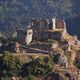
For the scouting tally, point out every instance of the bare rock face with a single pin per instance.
(69, 76)
(57, 76)
(54, 76)
(64, 45)
(56, 58)
(63, 61)
(77, 61)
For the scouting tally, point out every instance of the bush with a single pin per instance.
(12, 63)
(4, 76)
(18, 65)
(31, 77)
(38, 67)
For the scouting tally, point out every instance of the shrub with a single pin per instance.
(38, 67)
(12, 63)
(31, 77)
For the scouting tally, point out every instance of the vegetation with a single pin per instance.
(38, 67)
(28, 70)
(11, 64)
(12, 39)
(77, 62)
(68, 55)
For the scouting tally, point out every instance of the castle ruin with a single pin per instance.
(42, 30)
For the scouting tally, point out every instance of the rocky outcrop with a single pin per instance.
(63, 61)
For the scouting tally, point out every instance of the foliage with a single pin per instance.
(31, 77)
(68, 55)
(12, 39)
(0, 61)
(38, 67)
(15, 64)
(5, 75)
(12, 63)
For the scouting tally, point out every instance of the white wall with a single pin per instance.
(53, 24)
(29, 36)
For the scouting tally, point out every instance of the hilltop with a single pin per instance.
(45, 53)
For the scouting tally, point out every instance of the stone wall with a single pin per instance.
(28, 36)
(24, 36)
(20, 36)
(40, 28)
(55, 35)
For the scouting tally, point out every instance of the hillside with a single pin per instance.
(21, 12)
(42, 60)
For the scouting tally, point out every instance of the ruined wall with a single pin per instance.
(28, 36)
(20, 36)
(55, 35)
(58, 24)
(40, 28)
